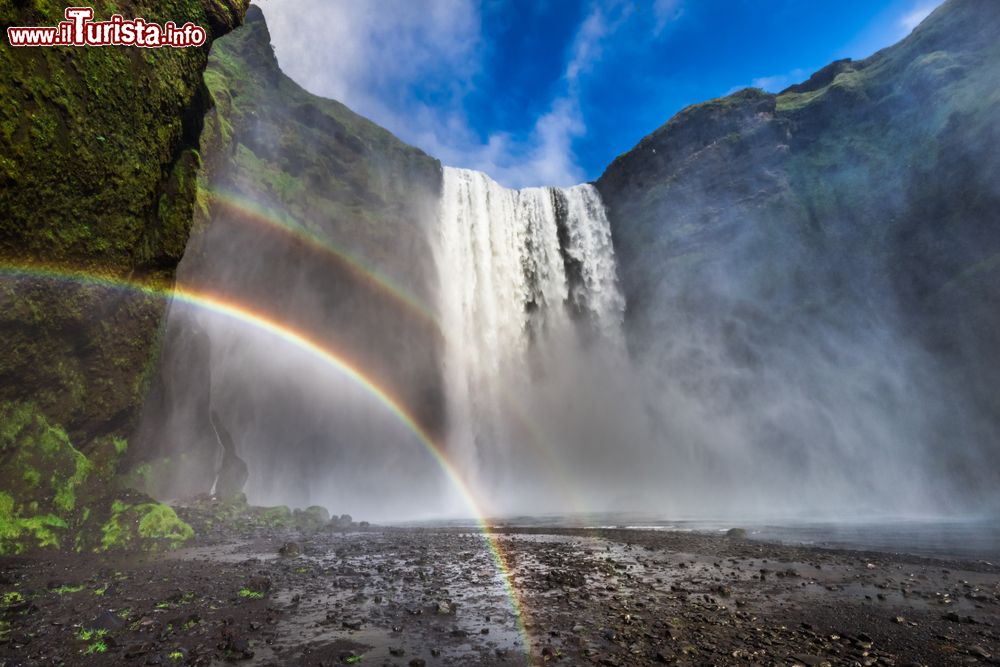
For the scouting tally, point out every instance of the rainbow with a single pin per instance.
(243, 208)
(321, 352)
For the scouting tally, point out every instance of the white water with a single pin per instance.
(532, 319)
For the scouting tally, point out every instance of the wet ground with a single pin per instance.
(435, 596)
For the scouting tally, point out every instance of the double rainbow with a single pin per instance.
(229, 202)
(320, 351)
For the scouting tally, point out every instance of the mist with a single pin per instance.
(747, 317)
(780, 387)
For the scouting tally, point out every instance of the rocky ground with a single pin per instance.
(413, 597)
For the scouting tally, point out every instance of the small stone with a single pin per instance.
(259, 584)
(136, 650)
(106, 621)
(980, 652)
(290, 550)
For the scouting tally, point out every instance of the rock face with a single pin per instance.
(100, 151)
(312, 216)
(233, 472)
(771, 245)
(98, 157)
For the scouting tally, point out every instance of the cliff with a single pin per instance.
(99, 149)
(314, 217)
(846, 223)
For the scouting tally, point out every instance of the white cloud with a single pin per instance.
(665, 11)
(778, 82)
(774, 83)
(386, 59)
(366, 54)
(912, 19)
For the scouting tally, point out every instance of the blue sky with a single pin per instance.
(548, 92)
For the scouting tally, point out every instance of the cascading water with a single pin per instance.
(532, 318)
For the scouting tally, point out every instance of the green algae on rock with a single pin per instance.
(147, 526)
(55, 496)
(40, 478)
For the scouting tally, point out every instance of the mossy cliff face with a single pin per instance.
(861, 203)
(293, 185)
(98, 156)
(98, 161)
(55, 496)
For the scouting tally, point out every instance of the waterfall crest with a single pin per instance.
(529, 303)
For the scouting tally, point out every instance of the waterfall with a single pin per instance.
(528, 296)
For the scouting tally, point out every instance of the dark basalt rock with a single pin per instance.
(233, 472)
(867, 194)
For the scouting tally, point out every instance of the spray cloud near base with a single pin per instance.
(769, 334)
(534, 359)
(729, 392)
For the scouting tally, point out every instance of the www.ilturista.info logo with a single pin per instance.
(79, 29)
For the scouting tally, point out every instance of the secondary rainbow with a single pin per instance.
(229, 201)
(249, 210)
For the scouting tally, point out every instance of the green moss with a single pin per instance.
(17, 534)
(63, 590)
(31, 476)
(311, 518)
(74, 497)
(276, 516)
(114, 533)
(35, 507)
(11, 598)
(65, 498)
(160, 522)
(250, 594)
(149, 525)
